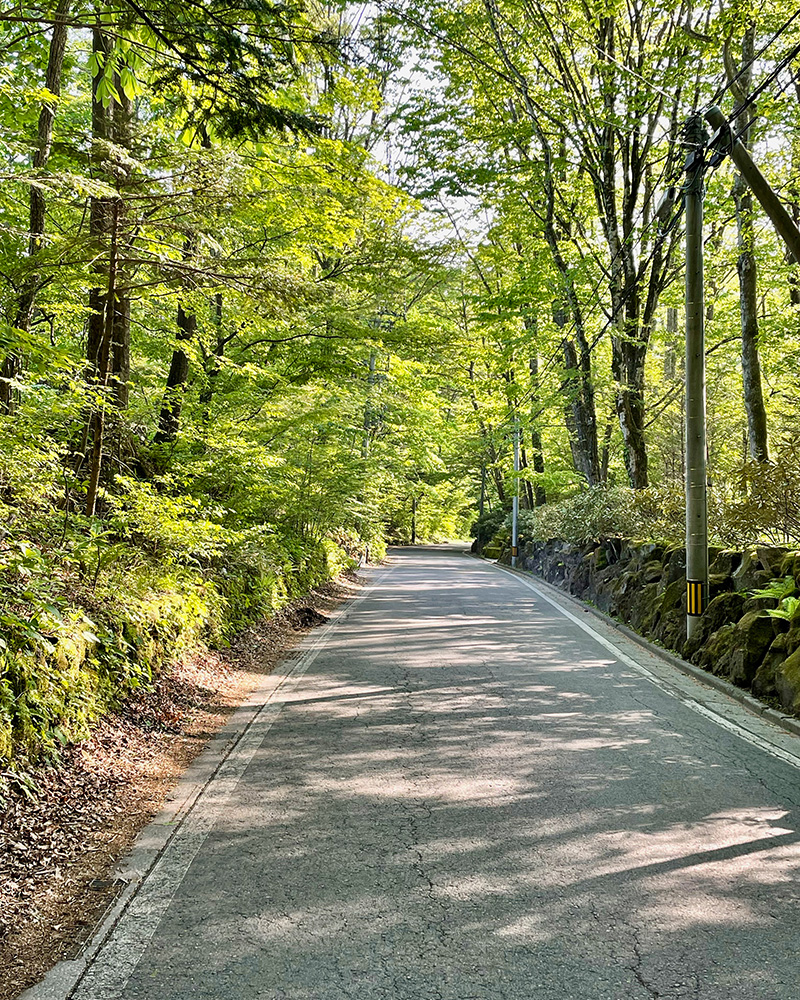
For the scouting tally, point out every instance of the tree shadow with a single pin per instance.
(491, 807)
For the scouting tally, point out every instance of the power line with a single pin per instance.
(735, 137)
(750, 62)
(792, 54)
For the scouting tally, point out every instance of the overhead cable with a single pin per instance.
(781, 31)
(741, 108)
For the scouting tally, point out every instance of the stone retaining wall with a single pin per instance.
(643, 585)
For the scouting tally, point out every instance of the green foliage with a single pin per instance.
(784, 591)
(761, 504)
(488, 524)
(60, 670)
(166, 522)
(655, 513)
(763, 501)
(348, 364)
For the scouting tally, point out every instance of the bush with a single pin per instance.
(77, 638)
(606, 510)
(487, 525)
(762, 504)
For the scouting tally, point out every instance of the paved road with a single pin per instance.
(466, 797)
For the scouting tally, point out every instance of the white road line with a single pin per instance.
(116, 959)
(673, 692)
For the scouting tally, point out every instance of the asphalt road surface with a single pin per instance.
(465, 795)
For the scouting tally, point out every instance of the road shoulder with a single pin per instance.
(728, 706)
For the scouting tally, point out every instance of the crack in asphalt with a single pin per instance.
(636, 968)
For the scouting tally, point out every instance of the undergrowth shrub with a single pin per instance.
(29, 464)
(761, 504)
(167, 522)
(77, 637)
(606, 510)
(488, 524)
(65, 659)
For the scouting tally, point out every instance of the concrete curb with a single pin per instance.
(787, 722)
(153, 841)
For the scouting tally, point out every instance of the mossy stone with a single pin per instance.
(750, 574)
(726, 562)
(790, 565)
(673, 595)
(670, 629)
(675, 562)
(715, 654)
(725, 609)
(643, 608)
(718, 583)
(764, 681)
(771, 558)
(787, 682)
(756, 633)
(653, 571)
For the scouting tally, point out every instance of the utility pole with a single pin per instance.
(481, 506)
(696, 488)
(723, 142)
(515, 507)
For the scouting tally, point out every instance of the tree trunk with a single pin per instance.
(605, 454)
(793, 196)
(212, 359)
(748, 305)
(27, 299)
(748, 281)
(99, 212)
(369, 416)
(670, 355)
(627, 366)
(539, 492)
(97, 417)
(169, 419)
(579, 409)
(491, 451)
(578, 387)
(527, 500)
(170, 416)
(121, 335)
(539, 495)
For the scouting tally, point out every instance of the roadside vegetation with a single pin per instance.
(763, 504)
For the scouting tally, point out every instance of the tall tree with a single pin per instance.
(37, 203)
(740, 78)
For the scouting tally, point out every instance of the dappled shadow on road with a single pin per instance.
(489, 807)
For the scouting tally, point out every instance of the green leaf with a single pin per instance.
(130, 85)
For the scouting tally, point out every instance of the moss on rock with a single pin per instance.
(787, 682)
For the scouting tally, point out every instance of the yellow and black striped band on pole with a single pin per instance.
(514, 551)
(695, 597)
